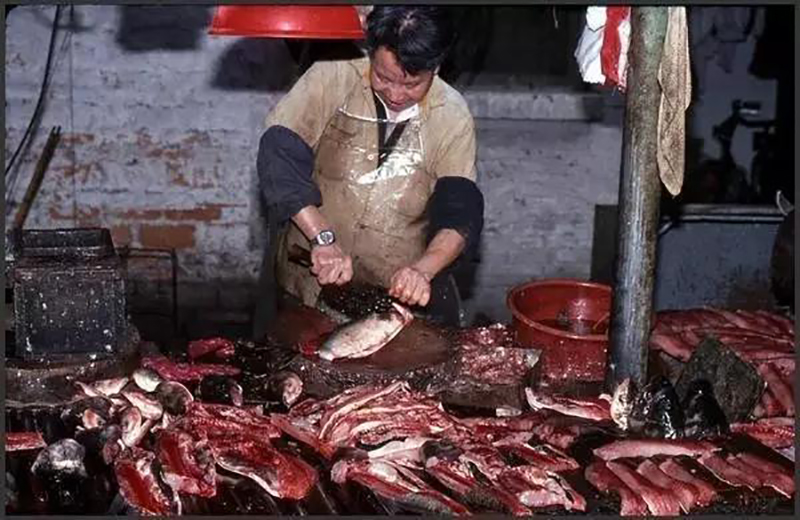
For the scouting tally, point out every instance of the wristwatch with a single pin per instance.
(324, 238)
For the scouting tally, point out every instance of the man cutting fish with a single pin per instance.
(371, 161)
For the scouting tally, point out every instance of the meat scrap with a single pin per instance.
(646, 448)
(397, 484)
(187, 464)
(139, 485)
(20, 441)
(181, 372)
(775, 432)
(491, 355)
(598, 409)
(771, 475)
(221, 348)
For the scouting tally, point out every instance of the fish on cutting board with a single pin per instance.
(366, 336)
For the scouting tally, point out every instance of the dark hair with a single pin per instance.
(419, 36)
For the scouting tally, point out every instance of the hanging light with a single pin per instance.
(288, 21)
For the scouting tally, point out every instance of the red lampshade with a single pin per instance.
(287, 21)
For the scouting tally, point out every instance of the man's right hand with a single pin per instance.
(331, 265)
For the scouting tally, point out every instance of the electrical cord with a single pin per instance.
(36, 111)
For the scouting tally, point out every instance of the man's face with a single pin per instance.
(398, 89)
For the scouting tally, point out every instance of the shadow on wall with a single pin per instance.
(147, 28)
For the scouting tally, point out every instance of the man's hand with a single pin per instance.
(411, 286)
(330, 265)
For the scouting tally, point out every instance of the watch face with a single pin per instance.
(326, 238)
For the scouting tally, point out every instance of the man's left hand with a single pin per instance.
(411, 286)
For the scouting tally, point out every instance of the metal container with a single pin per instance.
(69, 294)
(568, 320)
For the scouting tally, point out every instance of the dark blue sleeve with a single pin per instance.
(457, 203)
(285, 166)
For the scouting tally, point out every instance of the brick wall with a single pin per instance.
(161, 150)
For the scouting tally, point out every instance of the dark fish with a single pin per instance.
(87, 413)
(704, 416)
(174, 397)
(220, 390)
(440, 449)
(64, 456)
(657, 411)
(286, 386)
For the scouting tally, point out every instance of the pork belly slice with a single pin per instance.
(601, 477)
(659, 501)
(647, 448)
(706, 493)
(685, 493)
(729, 473)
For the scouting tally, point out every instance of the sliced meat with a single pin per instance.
(391, 482)
(775, 476)
(139, 485)
(456, 476)
(647, 448)
(187, 464)
(778, 387)
(279, 474)
(598, 409)
(685, 493)
(542, 456)
(706, 493)
(602, 478)
(671, 344)
(20, 441)
(659, 501)
(221, 348)
(182, 372)
(729, 473)
(775, 432)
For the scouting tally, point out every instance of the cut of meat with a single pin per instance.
(20, 441)
(537, 488)
(776, 432)
(392, 483)
(491, 429)
(227, 419)
(139, 485)
(706, 493)
(602, 478)
(280, 475)
(542, 456)
(456, 476)
(774, 475)
(651, 447)
(685, 493)
(187, 464)
(353, 399)
(221, 348)
(181, 372)
(728, 473)
(767, 406)
(659, 501)
(598, 409)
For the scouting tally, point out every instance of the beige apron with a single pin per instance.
(377, 213)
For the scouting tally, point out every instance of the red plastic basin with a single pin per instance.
(568, 320)
(288, 21)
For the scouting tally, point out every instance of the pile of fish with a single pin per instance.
(666, 477)
(395, 440)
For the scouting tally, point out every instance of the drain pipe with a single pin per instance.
(639, 193)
